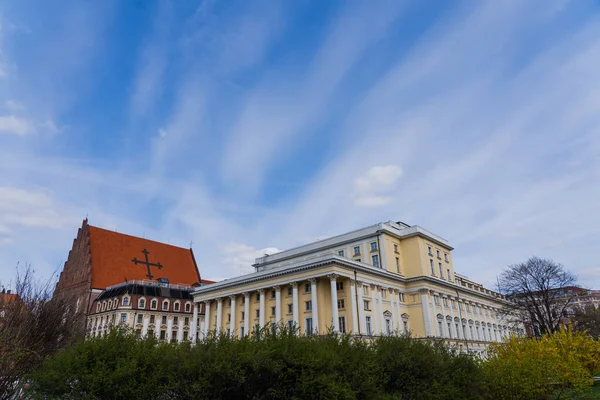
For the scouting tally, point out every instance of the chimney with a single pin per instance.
(8, 291)
(3, 290)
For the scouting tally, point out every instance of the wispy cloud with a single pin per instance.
(15, 125)
(372, 188)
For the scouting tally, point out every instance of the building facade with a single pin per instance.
(149, 308)
(388, 278)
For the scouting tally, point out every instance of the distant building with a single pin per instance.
(7, 301)
(150, 308)
(384, 279)
(102, 258)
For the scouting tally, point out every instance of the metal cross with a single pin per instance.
(147, 263)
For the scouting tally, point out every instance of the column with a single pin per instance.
(452, 326)
(277, 304)
(194, 325)
(375, 313)
(169, 328)
(399, 310)
(207, 328)
(383, 258)
(295, 306)
(444, 322)
(315, 306)
(261, 312)
(353, 305)
(145, 326)
(434, 308)
(381, 319)
(393, 305)
(246, 313)
(334, 299)
(425, 307)
(361, 308)
(233, 312)
(180, 330)
(157, 326)
(219, 327)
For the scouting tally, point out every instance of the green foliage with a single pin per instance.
(284, 366)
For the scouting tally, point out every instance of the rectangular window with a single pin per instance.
(290, 324)
(405, 326)
(438, 254)
(441, 271)
(446, 257)
(368, 324)
(341, 253)
(432, 267)
(290, 289)
(429, 250)
(257, 313)
(375, 259)
(272, 294)
(356, 250)
(340, 304)
(123, 317)
(339, 285)
(164, 320)
(228, 303)
(358, 260)
(384, 293)
(342, 324)
(228, 332)
(140, 318)
(396, 248)
(228, 317)
(373, 246)
(273, 311)
(445, 301)
(365, 290)
(448, 274)
(163, 335)
(152, 319)
(186, 321)
(241, 331)
(175, 320)
(398, 264)
(436, 300)
(366, 305)
(401, 296)
(388, 327)
(150, 332)
(290, 308)
(308, 288)
(257, 296)
(185, 335)
(243, 314)
(308, 326)
(309, 305)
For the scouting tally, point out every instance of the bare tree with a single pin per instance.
(541, 293)
(32, 326)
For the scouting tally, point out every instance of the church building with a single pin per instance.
(101, 259)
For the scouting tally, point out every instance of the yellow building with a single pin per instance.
(388, 278)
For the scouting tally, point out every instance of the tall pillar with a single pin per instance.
(353, 305)
(381, 319)
(334, 300)
(261, 312)
(295, 311)
(157, 322)
(445, 332)
(375, 315)
(425, 307)
(145, 326)
(169, 328)
(219, 327)
(180, 330)
(434, 308)
(277, 304)
(194, 326)
(361, 308)
(452, 327)
(233, 313)
(393, 305)
(315, 306)
(206, 323)
(246, 313)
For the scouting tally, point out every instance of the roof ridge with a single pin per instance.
(138, 237)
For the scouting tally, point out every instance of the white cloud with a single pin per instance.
(50, 126)
(372, 188)
(15, 125)
(13, 105)
(239, 257)
(162, 132)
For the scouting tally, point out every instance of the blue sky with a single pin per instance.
(242, 126)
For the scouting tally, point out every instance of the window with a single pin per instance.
(125, 301)
(449, 330)
(272, 294)
(388, 326)
(366, 305)
(356, 250)
(123, 317)
(173, 336)
(165, 305)
(365, 290)
(339, 285)
(257, 296)
(290, 289)
(373, 246)
(432, 267)
(405, 326)
(228, 332)
(290, 308)
(441, 270)
(308, 288)
(308, 305)
(340, 304)
(375, 260)
(342, 324)
(445, 301)
(358, 260)
(384, 293)
(185, 335)
(140, 318)
(448, 274)
(164, 320)
(142, 303)
(153, 304)
(188, 307)
(446, 257)
(290, 324)
(186, 321)
(138, 333)
(243, 315)
(436, 300)
(163, 335)
(152, 319)
(308, 326)
(150, 332)
(396, 248)
(438, 254)
(257, 313)
(397, 264)
(368, 324)
(241, 331)
(429, 250)
(401, 296)
(273, 310)
(175, 320)
(176, 306)
(341, 253)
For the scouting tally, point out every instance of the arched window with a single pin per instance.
(154, 304)
(142, 303)
(125, 301)
(405, 327)
(176, 306)
(110, 304)
(440, 325)
(98, 307)
(165, 305)
(449, 326)
(188, 307)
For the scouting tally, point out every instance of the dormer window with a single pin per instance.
(153, 304)
(142, 303)
(176, 306)
(125, 301)
(165, 305)
(187, 307)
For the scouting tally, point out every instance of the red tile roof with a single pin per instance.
(113, 256)
(206, 282)
(9, 297)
